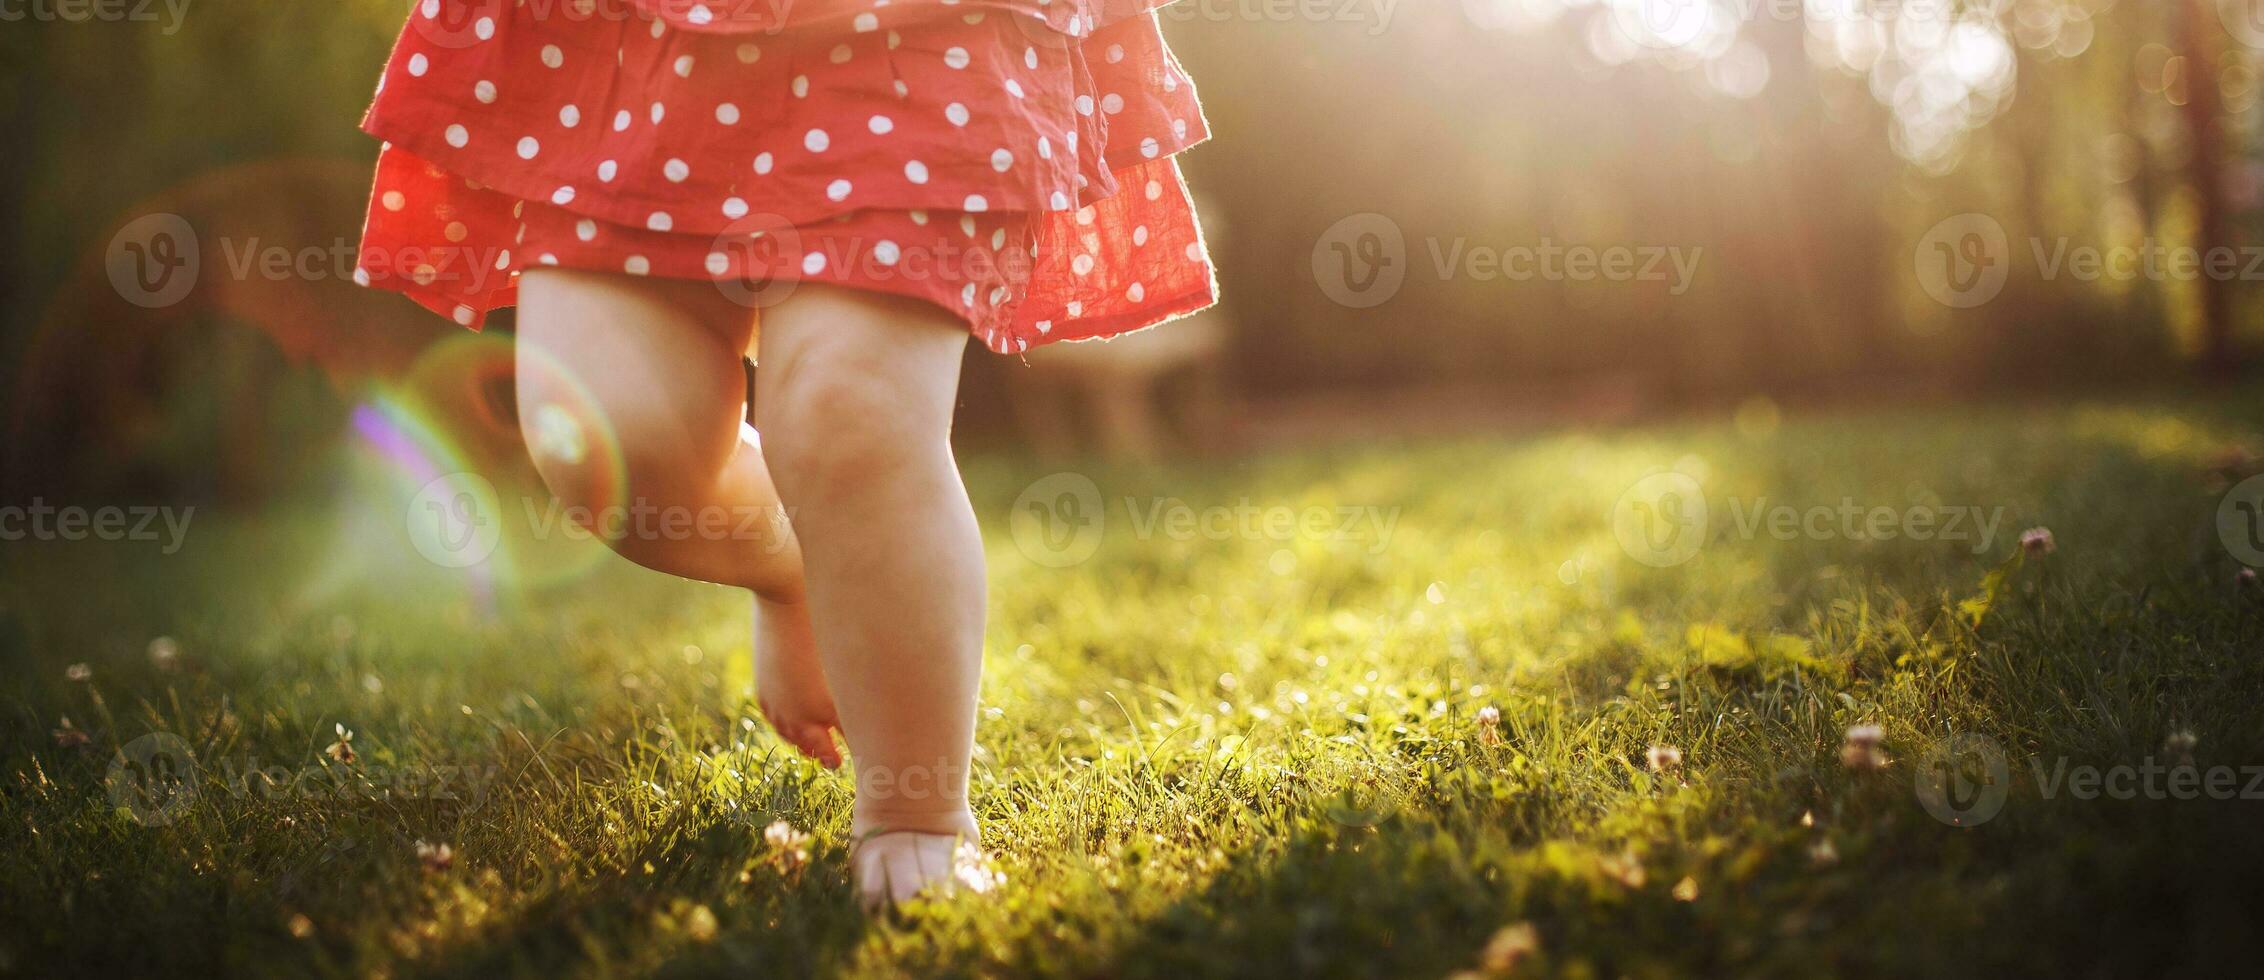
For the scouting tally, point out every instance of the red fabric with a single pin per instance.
(968, 154)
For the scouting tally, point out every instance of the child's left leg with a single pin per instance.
(855, 396)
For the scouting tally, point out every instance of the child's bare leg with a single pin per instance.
(855, 402)
(649, 369)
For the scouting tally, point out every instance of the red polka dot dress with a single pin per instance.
(1008, 160)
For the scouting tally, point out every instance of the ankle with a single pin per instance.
(868, 820)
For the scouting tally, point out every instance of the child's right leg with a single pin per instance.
(640, 381)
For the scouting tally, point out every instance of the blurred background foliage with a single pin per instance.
(1805, 145)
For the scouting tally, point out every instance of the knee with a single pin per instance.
(839, 423)
(617, 481)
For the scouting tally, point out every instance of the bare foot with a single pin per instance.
(789, 685)
(893, 866)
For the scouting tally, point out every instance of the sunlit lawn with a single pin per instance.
(1205, 753)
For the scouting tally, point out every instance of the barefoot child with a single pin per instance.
(880, 178)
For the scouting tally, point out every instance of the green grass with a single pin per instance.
(1233, 756)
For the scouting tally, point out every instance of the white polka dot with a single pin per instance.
(658, 112)
(866, 23)
(1030, 58)
(484, 91)
(429, 8)
(955, 57)
(621, 121)
(484, 28)
(700, 15)
(684, 66)
(1112, 103)
(956, 113)
(1045, 326)
(676, 171)
(1045, 148)
(1136, 293)
(801, 86)
(458, 136)
(1171, 83)
(585, 230)
(547, 259)
(763, 162)
(1081, 265)
(464, 315)
(919, 217)
(570, 116)
(727, 114)
(393, 201)
(503, 260)
(967, 225)
(637, 265)
(606, 170)
(837, 191)
(1001, 160)
(1059, 201)
(748, 53)
(816, 140)
(813, 263)
(1149, 147)
(1084, 105)
(1140, 235)
(997, 239)
(1154, 189)
(916, 172)
(1194, 252)
(552, 57)
(967, 295)
(418, 65)
(886, 252)
(528, 148)
(562, 197)
(1014, 88)
(880, 125)
(734, 208)
(718, 263)
(660, 221)
(840, 54)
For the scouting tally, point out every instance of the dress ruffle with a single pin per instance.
(1029, 171)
